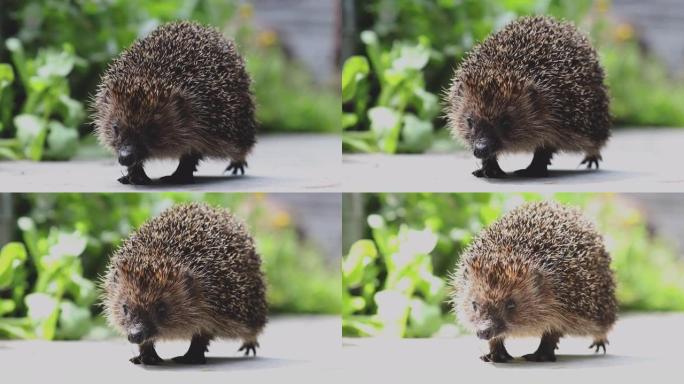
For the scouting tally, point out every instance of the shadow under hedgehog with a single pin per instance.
(190, 273)
(535, 86)
(182, 92)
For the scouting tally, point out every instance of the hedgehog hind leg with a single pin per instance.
(184, 173)
(539, 165)
(236, 166)
(546, 349)
(599, 343)
(497, 352)
(592, 159)
(195, 354)
(148, 355)
(249, 345)
(490, 169)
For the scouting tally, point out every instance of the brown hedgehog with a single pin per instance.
(190, 273)
(540, 270)
(535, 86)
(181, 92)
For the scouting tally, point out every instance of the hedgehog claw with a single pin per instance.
(598, 345)
(592, 160)
(249, 346)
(236, 166)
(136, 176)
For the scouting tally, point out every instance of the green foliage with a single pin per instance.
(395, 279)
(641, 92)
(47, 276)
(47, 125)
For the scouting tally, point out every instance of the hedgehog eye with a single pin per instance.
(161, 310)
(470, 122)
(505, 124)
(474, 306)
(125, 309)
(115, 128)
(510, 305)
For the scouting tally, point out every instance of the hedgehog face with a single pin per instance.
(139, 122)
(498, 300)
(497, 115)
(147, 305)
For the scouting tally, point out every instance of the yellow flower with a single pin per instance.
(246, 11)
(281, 219)
(267, 38)
(624, 32)
(603, 6)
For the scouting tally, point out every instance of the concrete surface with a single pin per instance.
(279, 163)
(292, 348)
(639, 160)
(642, 347)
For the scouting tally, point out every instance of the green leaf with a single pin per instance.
(355, 69)
(6, 76)
(416, 134)
(386, 124)
(361, 254)
(43, 310)
(74, 321)
(31, 132)
(62, 142)
(12, 256)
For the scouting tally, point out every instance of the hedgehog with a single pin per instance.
(540, 270)
(535, 86)
(183, 93)
(190, 273)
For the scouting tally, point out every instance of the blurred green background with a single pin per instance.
(54, 247)
(400, 56)
(53, 52)
(401, 248)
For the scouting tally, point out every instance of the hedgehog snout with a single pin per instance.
(483, 148)
(139, 332)
(489, 329)
(128, 155)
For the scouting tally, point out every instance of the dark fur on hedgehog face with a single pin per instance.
(148, 306)
(498, 115)
(144, 122)
(501, 299)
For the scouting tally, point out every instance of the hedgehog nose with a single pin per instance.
(485, 334)
(136, 336)
(126, 156)
(481, 149)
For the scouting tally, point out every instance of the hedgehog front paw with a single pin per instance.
(135, 179)
(146, 359)
(497, 357)
(540, 356)
(236, 166)
(491, 173)
(249, 346)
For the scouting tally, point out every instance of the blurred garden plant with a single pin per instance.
(48, 274)
(395, 280)
(407, 50)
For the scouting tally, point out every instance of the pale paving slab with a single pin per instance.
(642, 347)
(292, 348)
(635, 160)
(279, 163)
